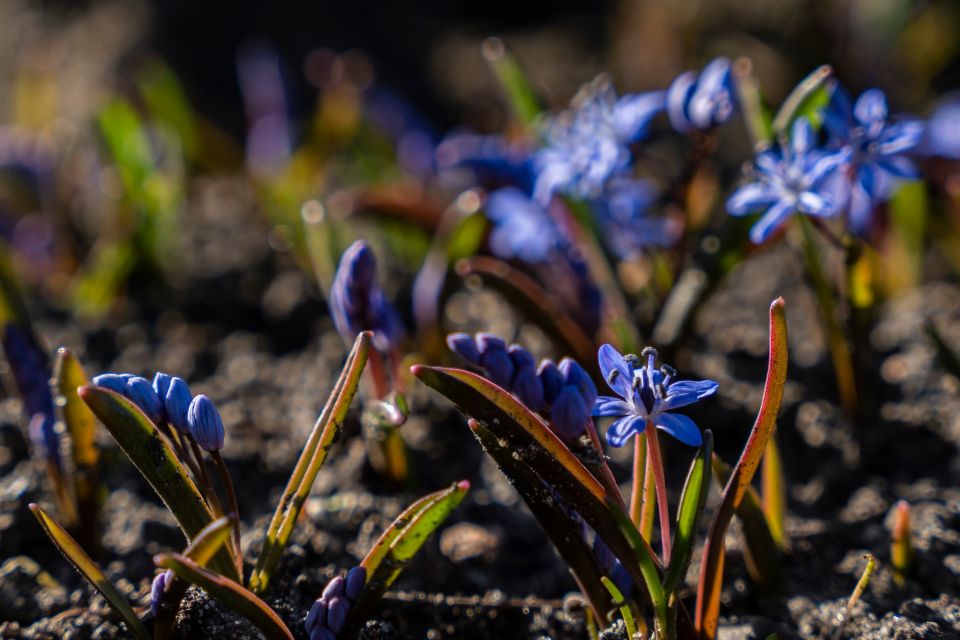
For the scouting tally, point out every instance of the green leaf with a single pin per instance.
(806, 99)
(151, 454)
(760, 551)
(751, 104)
(774, 495)
(711, 567)
(626, 610)
(228, 593)
(532, 443)
(81, 424)
(325, 433)
(692, 500)
(534, 302)
(562, 529)
(321, 243)
(89, 570)
(513, 81)
(397, 545)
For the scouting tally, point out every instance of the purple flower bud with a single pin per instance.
(495, 360)
(333, 588)
(322, 633)
(355, 580)
(206, 425)
(569, 414)
(317, 616)
(161, 383)
(141, 393)
(357, 303)
(574, 374)
(177, 403)
(552, 380)
(158, 589)
(112, 381)
(337, 610)
(43, 435)
(521, 357)
(463, 345)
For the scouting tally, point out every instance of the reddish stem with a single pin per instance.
(653, 454)
(636, 492)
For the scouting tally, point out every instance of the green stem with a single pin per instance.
(234, 508)
(837, 342)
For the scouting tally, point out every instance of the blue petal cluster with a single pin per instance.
(167, 399)
(563, 393)
(795, 176)
(206, 425)
(589, 144)
(647, 395)
(701, 102)
(877, 148)
(329, 612)
(356, 301)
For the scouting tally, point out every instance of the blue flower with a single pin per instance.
(159, 589)
(877, 148)
(794, 177)
(647, 395)
(492, 159)
(942, 133)
(356, 301)
(329, 613)
(624, 215)
(177, 404)
(588, 144)
(522, 228)
(206, 425)
(700, 103)
(141, 393)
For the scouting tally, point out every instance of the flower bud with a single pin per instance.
(574, 374)
(355, 580)
(337, 610)
(463, 345)
(552, 380)
(206, 425)
(112, 381)
(569, 413)
(495, 360)
(141, 393)
(161, 383)
(158, 589)
(177, 404)
(333, 588)
(317, 615)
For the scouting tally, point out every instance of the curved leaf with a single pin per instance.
(711, 567)
(228, 593)
(692, 500)
(156, 461)
(89, 570)
(800, 98)
(397, 545)
(324, 434)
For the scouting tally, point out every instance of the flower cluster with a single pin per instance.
(701, 102)
(647, 395)
(168, 401)
(562, 392)
(329, 612)
(356, 301)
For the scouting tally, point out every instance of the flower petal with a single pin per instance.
(680, 427)
(901, 136)
(632, 114)
(870, 110)
(769, 221)
(825, 164)
(703, 388)
(801, 137)
(752, 197)
(621, 430)
(617, 373)
(900, 167)
(609, 406)
(815, 205)
(677, 98)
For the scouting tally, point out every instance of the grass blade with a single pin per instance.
(324, 434)
(227, 592)
(398, 544)
(512, 80)
(692, 500)
(156, 461)
(805, 95)
(89, 570)
(711, 567)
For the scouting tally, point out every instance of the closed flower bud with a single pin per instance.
(495, 360)
(569, 413)
(574, 374)
(333, 588)
(552, 380)
(355, 580)
(317, 615)
(525, 384)
(463, 345)
(337, 609)
(112, 381)
(177, 404)
(206, 425)
(157, 590)
(322, 633)
(357, 303)
(161, 384)
(141, 393)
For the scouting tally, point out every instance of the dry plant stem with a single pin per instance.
(234, 508)
(659, 478)
(606, 476)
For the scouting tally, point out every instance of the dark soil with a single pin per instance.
(246, 327)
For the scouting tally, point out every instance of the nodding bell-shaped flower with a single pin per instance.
(647, 394)
(329, 613)
(699, 102)
(177, 404)
(206, 425)
(139, 391)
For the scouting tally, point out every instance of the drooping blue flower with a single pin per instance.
(329, 613)
(588, 144)
(701, 102)
(791, 178)
(116, 382)
(206, 425)
(356, 301)
(878, 148)
(177, 404)
(647, 395)
(522, 228)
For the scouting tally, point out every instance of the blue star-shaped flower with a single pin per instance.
(701, 102)
(647, 394)
(522, 228)
(793, 177)
(877, 148)
(588, 144)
